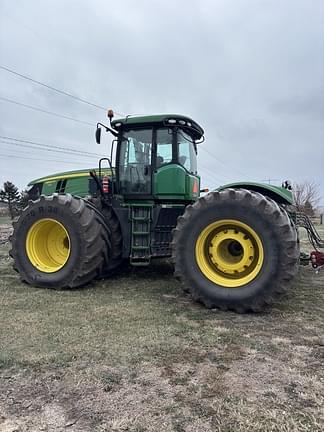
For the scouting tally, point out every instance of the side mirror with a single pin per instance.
(98, 135)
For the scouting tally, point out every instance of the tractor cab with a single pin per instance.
(156, 157)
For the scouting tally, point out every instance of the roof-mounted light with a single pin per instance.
(172, 121)
(182, 122)
(110, 114)
(116, 125)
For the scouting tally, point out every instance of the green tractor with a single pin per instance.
(235, 248)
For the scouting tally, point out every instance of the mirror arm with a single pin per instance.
(108, 129)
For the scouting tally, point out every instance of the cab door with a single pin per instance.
(135, 162)
(175, 175)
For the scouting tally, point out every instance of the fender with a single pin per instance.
(279, 194)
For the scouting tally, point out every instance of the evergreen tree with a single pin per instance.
(23, 201)
(10, 195)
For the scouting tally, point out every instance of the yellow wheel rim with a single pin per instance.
(229, 253)
(48, 245)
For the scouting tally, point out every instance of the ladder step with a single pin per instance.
(141, 232)
(141, 218)
(140, 263)
(141, 247)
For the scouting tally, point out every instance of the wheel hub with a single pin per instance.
(229, 253)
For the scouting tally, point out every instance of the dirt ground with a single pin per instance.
(134, 353)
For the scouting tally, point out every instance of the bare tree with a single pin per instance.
(307, 197)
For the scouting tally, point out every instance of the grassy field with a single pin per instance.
(134, 353)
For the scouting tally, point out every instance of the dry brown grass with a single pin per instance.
(136, 354)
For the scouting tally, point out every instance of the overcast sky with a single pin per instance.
(251, 72)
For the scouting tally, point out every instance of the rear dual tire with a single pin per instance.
(235, 249)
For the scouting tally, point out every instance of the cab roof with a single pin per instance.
(191, 127)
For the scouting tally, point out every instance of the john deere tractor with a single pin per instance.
(233, 248)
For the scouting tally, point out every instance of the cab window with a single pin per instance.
(163, 147)
(187, 156)
(135, 161)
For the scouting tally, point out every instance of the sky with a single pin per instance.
(250, 72)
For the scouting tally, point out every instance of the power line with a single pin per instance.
(46, 112)
(47, 150)
(226, 165)
(211, 180)
(207, 178)
(63, 92)
(37, 159)
(47, 146)
(84, 101)
(206, 183)
(210, 172)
